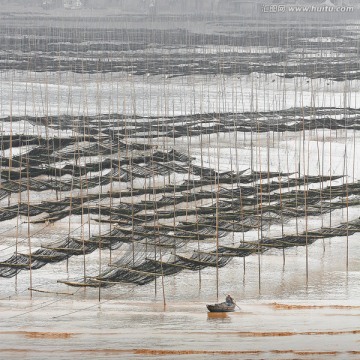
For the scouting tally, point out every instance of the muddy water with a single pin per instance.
(283, 314)
(284, 319)
(185, 331)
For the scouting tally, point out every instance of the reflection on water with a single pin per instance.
(220, 317)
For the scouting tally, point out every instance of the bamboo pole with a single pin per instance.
(28, 224)
(305, 203)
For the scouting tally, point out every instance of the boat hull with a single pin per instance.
(222, 307)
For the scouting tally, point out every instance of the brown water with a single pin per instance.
(285, 319)
(186, 331)
(283, 315)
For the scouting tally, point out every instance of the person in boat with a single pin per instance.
(229, 300)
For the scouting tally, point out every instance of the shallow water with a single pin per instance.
(285, 319)
(185, 330)
(286, 313)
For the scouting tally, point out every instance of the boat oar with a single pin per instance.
(237, 305)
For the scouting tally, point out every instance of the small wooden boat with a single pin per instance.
(221, 307)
